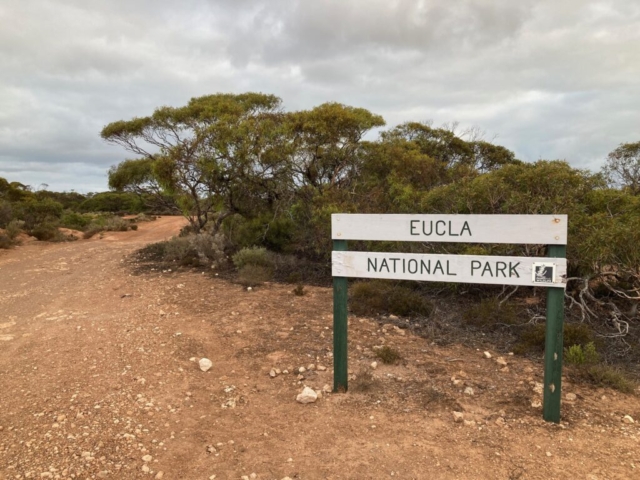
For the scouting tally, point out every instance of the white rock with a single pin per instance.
(205, 364)
(249, 289)
(468, 391)
(487, 355)
(308, 395)
(319, 394)
(571, 397)
(302, 370)
(147, 458)
(628, 419)
(374, 365)
(311, 367)
(145, 468)
(393, 317)
(159, 475)
(458, 417)
(322, 368)
(501, 361)
(326, 389)
(272, 373)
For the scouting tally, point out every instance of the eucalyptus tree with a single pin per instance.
(219, 155)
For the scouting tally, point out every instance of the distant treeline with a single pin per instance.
(41, 213)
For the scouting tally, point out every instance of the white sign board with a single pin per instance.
(520, 229)
(526, 271)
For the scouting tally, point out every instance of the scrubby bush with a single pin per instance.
(254, 275)
(379, 296)
(14, 228)
(388, 355)
(202, 249)
(489, 313)
(254, 256)
(5, 241)
(47, 232)
(607, 376)
(74, 220)
(579, 355)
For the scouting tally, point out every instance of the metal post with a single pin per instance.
(340, 347)
(553, 345)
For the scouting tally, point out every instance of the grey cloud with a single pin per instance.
(550, 79)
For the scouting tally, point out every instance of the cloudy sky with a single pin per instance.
(547, 79)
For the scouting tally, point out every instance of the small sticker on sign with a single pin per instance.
(543, 272)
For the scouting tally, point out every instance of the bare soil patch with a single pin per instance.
(97, 373)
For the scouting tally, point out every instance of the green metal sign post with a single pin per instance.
(340, 327)
(553, 345)
(550, 272)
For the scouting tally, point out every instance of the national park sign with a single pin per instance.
(550, 272)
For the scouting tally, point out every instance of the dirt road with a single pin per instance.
(99, 379)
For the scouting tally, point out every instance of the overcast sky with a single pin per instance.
(553, 79)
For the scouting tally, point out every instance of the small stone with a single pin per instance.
(470, 423)
(147, 458)
(302, 370)
(374, 365)
(300, 377)
(326, 389)
(159, 475)
(628, 419)
(500, 422)
(501, 361)
(322, 368)
(311, 367)
(393, 318)
(308, 395)
(145, 468)
(272, 373)
(458, 417)
(205, 364)
(571, 397)
(278, 371)
(487, 355)
(536, 404)
(61, 418)
(456, 381)
(285, 372)
(212, 477)
(162, 313)
(548, 454)
(468, 391)
(103, 474)
(319, 394)
(249, 289)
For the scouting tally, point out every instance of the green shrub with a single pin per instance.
(388, 354)
(532, 339)
(377, 297)
(607, 376)
(489, 313)
(6, 213)
(14, 228)
(254, 256)
(254, 275)
(133, 227)
(5, 241)
(75, 221)
(47, 232)
(116, 224)
(577, 355)
(195, 250)
(364, 382)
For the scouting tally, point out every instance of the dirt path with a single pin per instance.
(96, 373)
